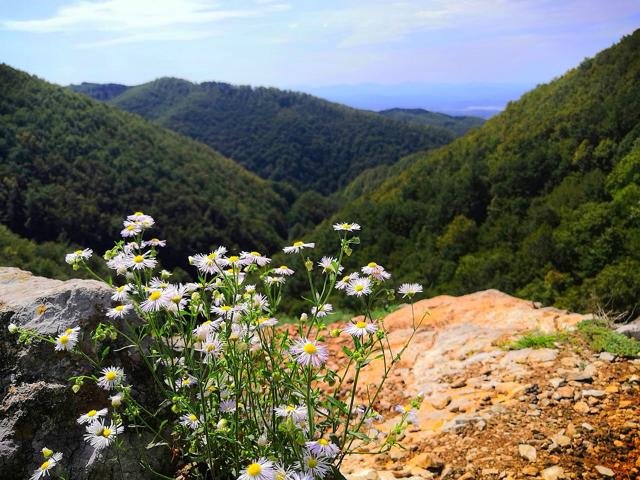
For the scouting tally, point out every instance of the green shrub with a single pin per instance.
(602, 339)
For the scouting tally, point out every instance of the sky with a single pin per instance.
(312, 45)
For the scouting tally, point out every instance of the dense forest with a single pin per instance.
(71, 168)
(281, 135)
(543, 200)
(418, 116)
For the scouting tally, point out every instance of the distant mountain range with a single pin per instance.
(281, 135)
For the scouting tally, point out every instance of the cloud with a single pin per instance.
(140, 20)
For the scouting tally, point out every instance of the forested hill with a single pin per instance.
(418, 116)
(280, 135)
(543, 200)
(99, 91)
(72, 167)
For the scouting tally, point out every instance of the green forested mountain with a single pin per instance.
(280, 135)
(99, 91)
(543, 200)
(418, 116)
(72, 167)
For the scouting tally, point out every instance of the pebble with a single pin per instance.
(440, 402)
(557, 382)
(564, 392)
(527, 452)
(607, 357)
(552, 473)
(604, 471)
(594, 393)
(530, 471)
(581, 407)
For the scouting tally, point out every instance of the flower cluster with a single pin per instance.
(243, 396)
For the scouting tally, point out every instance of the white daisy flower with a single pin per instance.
(116, 400)
(274, 280)
(154, 242)
(119, 311)
(376, 271)
(283, 270)
(260, 302)
(100, 435)
(110, 377)
(254, 257)
(131, 229)
(44, 469)
(264, 322)
(176, 297)
(211, 347)
(156, 300)
(359, 287)
(299, 476)
(228, 311)
(322, 310)
(121, 293)
(314, 465)
(140, 262)
(202, 331)
(68, 339)
(119, 263)
(298, 246)
(411, 413)
(344, 283)
(323, 448)
(228, 406)
(296, 413)
(138, 217)
(309, 352)
(360, 328)
(211, 263)
(261, 469)
(186, 381)
(346, 227)
(91, 416)
(329, 264)
(78, 255)
(190, 420)
(409, 289)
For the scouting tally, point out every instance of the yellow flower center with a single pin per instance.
(283, 267)
(225, 308)
(346, 225)
(358, 288)
(254, 469)
(155, 296)
(234, 258)
(261, 320)
(92, 413)
(372, 265)
(255, 254)
(45, 465)
(323, 442)
(192, 417)
(68, 331)
(310, 348)
(120, 289)
(106, 432)
(176, 299)
(361, 324)
(78, 252)
(138, 214)
(212, 255)
(186, 381)
(406, 408)
(155, 240)
(312, 463)
(110, 376)
(138, 259)
(298, 244)
(119, 308)
(210, 348)
(64, 339)
(131, 227)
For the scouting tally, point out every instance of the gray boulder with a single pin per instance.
(631, 329)
(37, 405)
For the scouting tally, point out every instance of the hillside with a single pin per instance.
(99, 91)
(280, 135)
(542, 200)
(72, 167)
(418, 116)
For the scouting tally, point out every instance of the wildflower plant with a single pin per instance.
(239, 396)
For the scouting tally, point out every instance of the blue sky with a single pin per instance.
(311, 44)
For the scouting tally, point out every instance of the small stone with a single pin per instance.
(527, 452)
(581, 407)
(543, 355)
(607, 357)
(556, 382)
(561, 440)
(530, 471)
(440, 402)
(564, 392)
(459, 384)
(586, 426)
(604, 471)
(612, 389)
(488, 472)
(571, 430)
(552, 473)
(594, 393)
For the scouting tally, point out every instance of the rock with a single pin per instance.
(612, 389)
(530, 471)
(397, 454)
(604, 471)
(490, 472)
(561, 440)
(440, 402)
(587, 427)
(37, 395)
(564, 392)
(631, 329)
(571, 430)
(607, 357)
(527, 452)
(594, 393)
(557, 382)
(543, 355)
(459, 384)
(581, 407)
(365, 474)
(552, 473)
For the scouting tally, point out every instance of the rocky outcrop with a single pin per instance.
(37, 405)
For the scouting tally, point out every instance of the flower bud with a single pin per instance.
(175, 408)
(75, 388)
(165, 274)
(113, 335)
(222, 424)
(308, 265)
(46, 452)
(76, 266)
(335, 333)
(175, 399)
(116, 401)
(13, 328)
(304, 317)
(242, 347)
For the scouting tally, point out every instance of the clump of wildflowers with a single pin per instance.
(241, 397)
